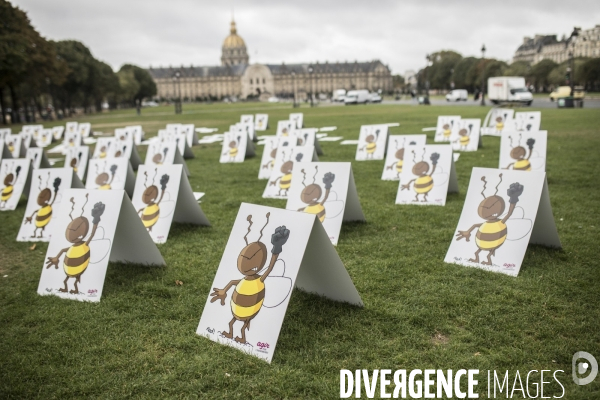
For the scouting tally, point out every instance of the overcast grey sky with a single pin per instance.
(400, 34)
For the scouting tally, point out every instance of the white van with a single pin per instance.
(457, 95)
(357, 97)
(508, 89)
(338, 95)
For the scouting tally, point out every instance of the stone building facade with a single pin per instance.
(236, 77)
(547, 47)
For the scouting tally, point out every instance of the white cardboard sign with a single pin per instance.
(247, 118)
(16, 177)
(327, 190)
(297, 119)
(500, 119)
(163, 195)
(371, 142)
(44, 138)
(125, 148)
(529, 121)
(269, 155)
(443, 129)
(189, 130)
(85, 129)
(397, 148)
(72, 139)
(71, 127)
(523, 151)
(4, 132)
(180, 139)
(45, 198)
(57, 132)
(261, 122)
(4, 153)
(110, 174)
(77, 158)
(14, 143)
(281, 177)
(93, 227)
(37, 157)
(466, 134)
(503, 212)
(284, 127)
(428, 175)
(105, 147)
(136, 132)
(308, 137)
(236, 147)
(165, 153)
(274, 250)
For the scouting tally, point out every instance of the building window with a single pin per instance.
(251, 81)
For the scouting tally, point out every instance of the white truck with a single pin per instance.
(357, 97)
(508, 89)
(457, 95)
(338, 95)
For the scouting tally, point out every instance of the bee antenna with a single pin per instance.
(261, 231)
(303, 177)
(96, 169)
(155, 172)
(511, 141)
(520, 135)
(423, 156)
(316, 172)
(86, 201)
(484, 186)
(498, 184)
(249, 219)
(145, 179)
(40, 184)
(48, 179)
(72, 208)
(414, 155)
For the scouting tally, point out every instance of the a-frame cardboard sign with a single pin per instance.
(280, 180)
(308, 137)
(529, 121)
(14, 143)
(498, 120)
(84, 129)
(136, 132)
(4, 132)
(274, 250)
(71, 127)
(269, 155)
(57, 132)
(45, 199)
(372, 142)
(44, 138)
(428, 175)
(443, 129)
(93, 227)
(15, 178)
(248, 129)
(77, 158)
(180, 139)
(4, 153)
(327, 190)
(247, 118)
(110, 174)
(297, 119)
(104, 147)
(398, 145)
(261, 122)
(163, 195)
(72, 139)
(165, 153)
(236, 147)
(503, 212)
(466, 135)
(126, 149)
(38, 158)
(189, 130)
(27, 138)
(523, 151)
(284, 127)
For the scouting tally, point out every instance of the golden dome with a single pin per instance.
(233, 40)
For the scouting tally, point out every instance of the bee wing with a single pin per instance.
(440, 177)
(518, 228)
(166, 208)
(277, 290)
(537, 163)
(333, 208)
(99, 248)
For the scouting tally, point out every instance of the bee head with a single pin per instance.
(233, 144)
(311, 193)
(491, 207)
(446, 126)
(463, 132)
(44, 197)
(517, 153)
(499, 118)
(102, 178)
(150, 194)
(287, 166)
(157, 158)
(420, 168)
(77, 229)
(274, 152)
(73, 162)
(399, 154)
(370, 138)
(8, 179)
(252, 258)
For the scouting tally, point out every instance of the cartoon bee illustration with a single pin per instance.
(312, 193)
(465, 137)
(492, 233)
(159, 158)
(260, 122)
(269, 164)
(44, 214)
(301, 140)
(103, 180)
(251, 292)
(9, 182)
(121, 152)
(11, 146)
(104, 150)
(75, 161)
(284, 132)
(518, 153)
(79, 254)
(399, 158)
(151, 212)
(371, 145)
(233, 148)
(285, 181)
(447, 130)
(424, 181)
(71, 141)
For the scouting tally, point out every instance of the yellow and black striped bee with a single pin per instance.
(285, 181)
(9, 182)
(465, 137)
(518, 153)
(233, 148)
(312, 193)
(78, 256)
(159, 158)
(74, 163)
(371, 145)
(399, 158)
(492, 233)
(424, 181)
(103, 180)
(250, 292)
(44, 214)
(151, 212)
(447, 130)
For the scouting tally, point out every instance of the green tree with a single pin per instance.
(540, 73)
(440, 72)
(146, 87)
(589, 74)
(128, 84)
(459, 76)
(518, 68)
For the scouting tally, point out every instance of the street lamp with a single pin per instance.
(483, 75)
(574, 34)
(310, 71)
(294, 88)
(177, 92)
(426, 100)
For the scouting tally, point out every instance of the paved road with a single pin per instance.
(537, 103)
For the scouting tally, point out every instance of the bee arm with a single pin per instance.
(407, 185)
(230, 285)
(473, 227)
(162, 194)
(272, 183)
(92, 235)
(271, 265)
(509, 165)
(54, 199)
(57, 257)
(511, 209)
(326, 196)
(140, 210)
(32, 214)
(301, 208)
(433, 170)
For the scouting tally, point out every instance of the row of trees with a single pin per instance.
(450, 70)
(39, 76)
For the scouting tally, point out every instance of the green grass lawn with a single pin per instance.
(140, 340)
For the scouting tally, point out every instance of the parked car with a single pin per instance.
(149, 104)
(356, 97)
(457, 95)
(374, 98)
(509, 89)
(565, 91)
(273, 99)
